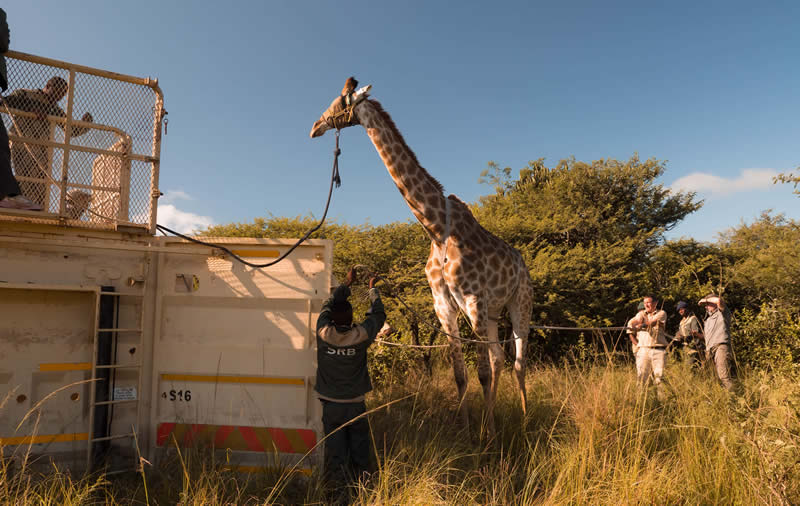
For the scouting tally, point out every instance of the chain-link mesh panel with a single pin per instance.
(84, 142)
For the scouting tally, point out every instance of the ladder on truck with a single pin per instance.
(104, 374)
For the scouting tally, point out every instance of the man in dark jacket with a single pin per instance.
(689, 337)
(342, 381)
(10, 197)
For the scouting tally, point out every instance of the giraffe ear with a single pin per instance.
(349, 86)
(363, 92)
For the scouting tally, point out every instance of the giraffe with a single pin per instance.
(469, 268)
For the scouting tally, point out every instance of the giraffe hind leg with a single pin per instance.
(520, 317)
(447, 311)
(496, 359)
(484, 368)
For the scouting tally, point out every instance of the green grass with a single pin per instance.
(591, 436)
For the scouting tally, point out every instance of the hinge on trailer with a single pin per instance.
(156, 193)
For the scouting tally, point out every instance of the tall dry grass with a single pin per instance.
(591, 436)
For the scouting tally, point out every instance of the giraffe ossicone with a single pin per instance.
(469, 269)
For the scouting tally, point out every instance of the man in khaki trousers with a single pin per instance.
(651, 342)
(718, 338)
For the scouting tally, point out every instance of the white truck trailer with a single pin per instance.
(114, 343)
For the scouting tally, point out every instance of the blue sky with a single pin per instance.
(711, 87)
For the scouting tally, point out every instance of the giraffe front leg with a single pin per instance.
(460, 374)
(449, 320)
(490, 355)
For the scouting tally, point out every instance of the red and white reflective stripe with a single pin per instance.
(234, 437)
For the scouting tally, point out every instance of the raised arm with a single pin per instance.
(80, 130)
(376, 315)
(632, 324)
(637, 321)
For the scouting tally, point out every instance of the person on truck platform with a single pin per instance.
(342, 381)
(32, 160)
(10, 193)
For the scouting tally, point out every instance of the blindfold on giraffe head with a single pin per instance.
(341, 113)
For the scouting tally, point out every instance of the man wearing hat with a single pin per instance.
(650, 341)
(689, 334)
(342, 381)
(718, 338)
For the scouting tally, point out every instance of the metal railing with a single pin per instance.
(94, 172)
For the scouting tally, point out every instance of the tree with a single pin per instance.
(586, 231)
(789, 177)
(767, 261)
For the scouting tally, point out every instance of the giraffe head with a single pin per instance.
(341, 113)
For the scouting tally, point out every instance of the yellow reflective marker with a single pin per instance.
(69, 366)
(262, 380)
(263, 469)
(44, 438)
(261, 253)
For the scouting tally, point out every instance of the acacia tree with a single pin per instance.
(767, 261)
(586, 231)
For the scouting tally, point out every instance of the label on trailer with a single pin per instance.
(124, 393)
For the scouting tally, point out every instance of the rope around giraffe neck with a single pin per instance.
(335, 180)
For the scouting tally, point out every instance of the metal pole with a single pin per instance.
(125, 183)
(92, 386)
(62, 207)
(154, 191)
(145, 81)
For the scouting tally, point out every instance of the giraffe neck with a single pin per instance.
(422, 192)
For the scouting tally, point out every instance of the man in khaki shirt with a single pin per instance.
(646, 331)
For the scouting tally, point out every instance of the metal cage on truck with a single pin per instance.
(101, 174)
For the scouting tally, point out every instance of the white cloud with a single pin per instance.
(181, 221)
(709, 184)
(173, 195)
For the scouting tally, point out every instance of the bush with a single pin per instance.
(768, 338)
